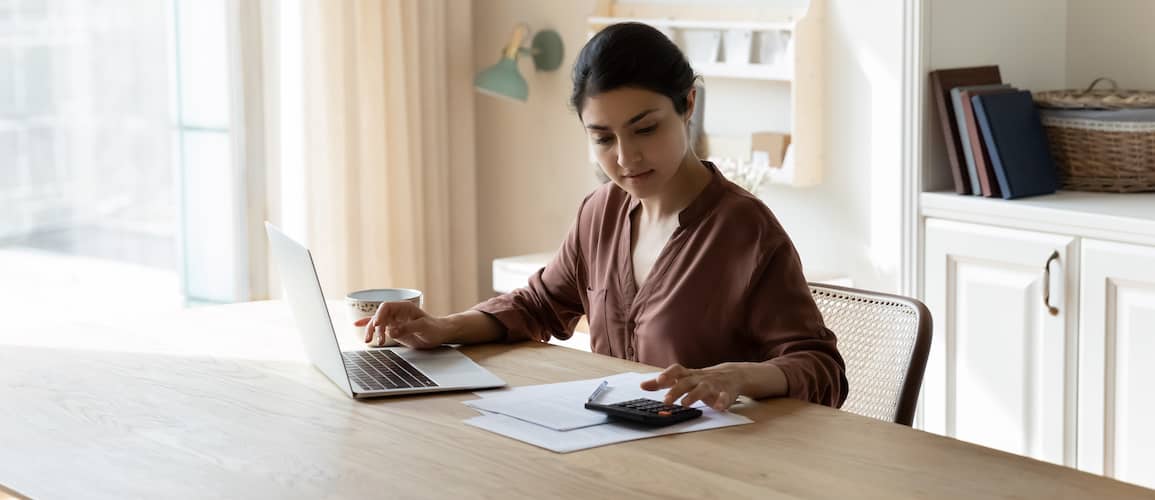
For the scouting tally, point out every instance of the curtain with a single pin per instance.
(389, 147)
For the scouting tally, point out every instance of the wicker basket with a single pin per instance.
(1093, 150)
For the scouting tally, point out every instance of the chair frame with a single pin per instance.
(912, 384)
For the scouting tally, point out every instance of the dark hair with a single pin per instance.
(632, 55)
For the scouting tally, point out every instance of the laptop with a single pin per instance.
(376, 372)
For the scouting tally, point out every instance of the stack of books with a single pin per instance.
(995, 142)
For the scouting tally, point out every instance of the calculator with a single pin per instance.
(647, 412)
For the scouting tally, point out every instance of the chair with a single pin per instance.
(885, 340)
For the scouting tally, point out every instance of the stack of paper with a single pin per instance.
(553, 416)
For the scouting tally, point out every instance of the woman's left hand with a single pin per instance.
(718, 386)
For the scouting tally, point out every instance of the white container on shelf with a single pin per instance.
(774, 47)
(737, 45)
(786, 62)
(701, 46)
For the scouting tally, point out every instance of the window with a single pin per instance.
(117, 172)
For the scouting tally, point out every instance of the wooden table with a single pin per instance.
(217, 402)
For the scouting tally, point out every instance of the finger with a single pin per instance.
(381, 334)
(386, 315)
(656, 383)
(679, 389)
(372, 326)
(666, 378)
(650, 385)
(701, 393)
(384, 334)
(363, 321)
(723, 401)
(670, 375)
(370, 329)
(374, 334)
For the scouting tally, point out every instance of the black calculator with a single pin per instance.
(647, 412)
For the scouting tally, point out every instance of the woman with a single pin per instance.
(673, 265)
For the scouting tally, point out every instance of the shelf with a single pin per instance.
(1112, 216)
(696, 24)
(745, 71)
(748, 71)
(794, 67)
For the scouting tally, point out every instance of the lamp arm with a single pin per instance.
(514, 46)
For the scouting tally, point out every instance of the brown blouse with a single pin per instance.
(728, 286)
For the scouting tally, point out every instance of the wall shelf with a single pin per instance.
(602, 21)
(801, 66)
(748, 71)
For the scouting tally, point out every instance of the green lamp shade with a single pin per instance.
(502, 80)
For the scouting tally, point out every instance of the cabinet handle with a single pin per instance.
(1047, 284)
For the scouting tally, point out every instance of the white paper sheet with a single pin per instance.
(617, 379)
(598, 435)
(561, 406)
(552, 416)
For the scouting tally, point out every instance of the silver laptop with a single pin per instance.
(365, 373)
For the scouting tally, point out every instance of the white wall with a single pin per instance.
(1027, 39)
(1038, 45)
(1113, 38)
(850, 223)
(533, 168)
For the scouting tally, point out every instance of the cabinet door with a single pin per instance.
(1117, 362)
(999, 373)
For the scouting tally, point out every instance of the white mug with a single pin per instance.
(364, 304)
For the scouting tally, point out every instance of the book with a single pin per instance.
(1017, 144)
(941, 81)
(960, 110)
(982, 158)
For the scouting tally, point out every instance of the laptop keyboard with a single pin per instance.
(382, 369)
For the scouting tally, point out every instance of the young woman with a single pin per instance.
(673, 265)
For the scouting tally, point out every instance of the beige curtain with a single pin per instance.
(389, 153)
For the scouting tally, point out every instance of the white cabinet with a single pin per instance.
(998, 369)
(1079, 387)
(1076, 387)
(1117, 361)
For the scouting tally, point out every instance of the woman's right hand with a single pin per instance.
(407, 324)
